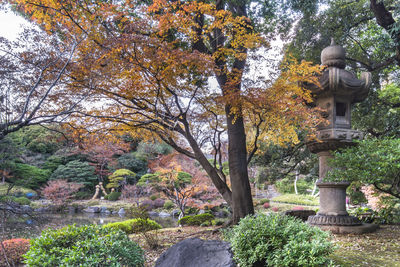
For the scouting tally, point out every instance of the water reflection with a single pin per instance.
(29, 226)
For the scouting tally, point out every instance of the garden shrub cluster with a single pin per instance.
(17, 200)
(198, 219)
(87, 246)
(278, 240)
(132, 226)
(297, 199)
(286, 186)
(168, 204)
(13, 249)
(113, 196)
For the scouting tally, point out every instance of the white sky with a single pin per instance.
(10, 24)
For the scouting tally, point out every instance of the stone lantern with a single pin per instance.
(338, 90)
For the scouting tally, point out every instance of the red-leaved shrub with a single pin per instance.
(60, 191)
(275, 209)
(13, 249)
(298, 208)
(266, 205)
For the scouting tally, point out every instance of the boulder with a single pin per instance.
(104, 210)
(194, 252)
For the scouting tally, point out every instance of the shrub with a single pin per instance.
(277, 240)
(159, 202)
(22, 201)
(298, 208)
(196, 219)
(275, 209)
(134, 226)
(153, 197)
(113, 196)
(60, 191)
(17, 200)
(147, 204)
(14, 249)
(87, 245)
(297, 199)
(266, 205)
(168, 204)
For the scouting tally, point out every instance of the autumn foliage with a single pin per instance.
(148, 67)
(12, 250)
(60, 191)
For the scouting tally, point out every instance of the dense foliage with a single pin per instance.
(196, 219)
(84, 246)
(137, 225)
(12, 250)
(78, 172)
(121, 177)
(375, 162)
(277, 240)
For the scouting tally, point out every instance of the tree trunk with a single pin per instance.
(242, 202)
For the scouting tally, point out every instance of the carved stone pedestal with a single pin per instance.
(332, 214)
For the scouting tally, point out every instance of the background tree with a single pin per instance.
(120, 178)
(369, 30)
(77, 172)
(152, 63)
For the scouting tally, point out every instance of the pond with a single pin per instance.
(29, 226)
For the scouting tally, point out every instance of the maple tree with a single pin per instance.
(33, 69)
(149, 64)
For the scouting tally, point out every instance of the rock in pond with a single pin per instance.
(104, 210)
(121, 211)
(164, 214)
(153, 213)
(92, 209)
(194, 252)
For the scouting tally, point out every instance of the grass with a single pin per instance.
(14, 190)
(297, 199)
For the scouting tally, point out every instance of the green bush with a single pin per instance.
(277, 240)
(297, 199)
(18, 200)
(153, 197)
(113, 196)
(168, 204)
(88, 245)
(134, 226)
(196, 219)
(22, 201)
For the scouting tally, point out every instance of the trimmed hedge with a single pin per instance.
(196, 219)
(133, 226)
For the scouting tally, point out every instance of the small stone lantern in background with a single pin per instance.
(338, 91)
